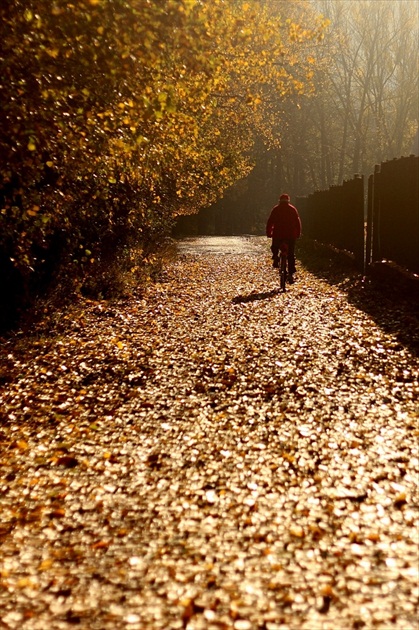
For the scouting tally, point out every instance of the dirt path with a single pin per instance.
(212, 454)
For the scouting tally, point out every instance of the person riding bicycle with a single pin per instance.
(284, 224)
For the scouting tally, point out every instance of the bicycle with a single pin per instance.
(283, 261)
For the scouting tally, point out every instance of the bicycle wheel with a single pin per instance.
(283, 270)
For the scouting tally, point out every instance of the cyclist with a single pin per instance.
(284, 224)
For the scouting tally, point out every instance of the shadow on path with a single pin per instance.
(253, 297)
(394, 310)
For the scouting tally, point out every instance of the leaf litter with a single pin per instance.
(211, 454)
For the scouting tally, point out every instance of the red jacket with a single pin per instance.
(284, 222)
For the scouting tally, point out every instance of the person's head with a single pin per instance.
(284, 198)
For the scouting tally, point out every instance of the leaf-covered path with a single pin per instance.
(213, 454)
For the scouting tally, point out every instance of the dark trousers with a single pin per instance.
(291, 251)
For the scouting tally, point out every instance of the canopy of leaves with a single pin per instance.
(119, 115)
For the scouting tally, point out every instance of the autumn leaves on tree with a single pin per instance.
(117, 116)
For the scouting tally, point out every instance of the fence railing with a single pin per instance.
(387, 229)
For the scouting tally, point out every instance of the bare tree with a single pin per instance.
(366, 102)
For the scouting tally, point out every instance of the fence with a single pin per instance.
(393, 213)
(336, 216)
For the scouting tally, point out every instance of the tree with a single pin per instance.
(121, 114)
(364, 108)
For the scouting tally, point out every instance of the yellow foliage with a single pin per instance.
(173, 94)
